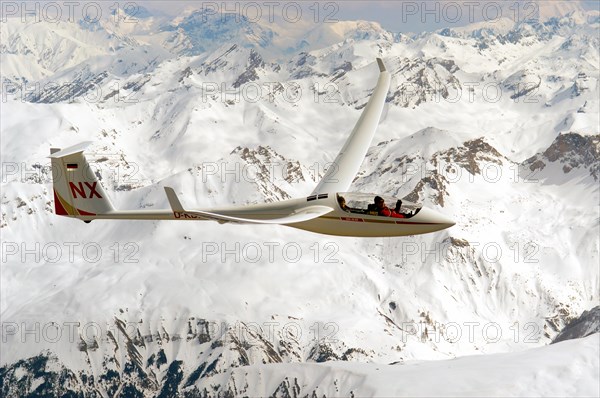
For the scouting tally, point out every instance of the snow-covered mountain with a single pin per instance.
(495, 125)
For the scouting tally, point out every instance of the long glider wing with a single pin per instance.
(342, 171)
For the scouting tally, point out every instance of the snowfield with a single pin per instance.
(536, 372)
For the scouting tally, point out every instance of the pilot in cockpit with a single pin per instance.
(385, 211)
(342, 203)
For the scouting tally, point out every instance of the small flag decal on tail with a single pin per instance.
(71, 166)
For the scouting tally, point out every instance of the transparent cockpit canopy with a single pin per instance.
(358, 202)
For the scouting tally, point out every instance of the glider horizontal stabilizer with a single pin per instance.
(72, 150)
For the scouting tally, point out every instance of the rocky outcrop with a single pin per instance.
(588, 323)
(572, 151)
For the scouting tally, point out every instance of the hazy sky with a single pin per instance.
(393, 15)
(397, 16)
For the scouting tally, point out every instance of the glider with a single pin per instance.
(329, 209)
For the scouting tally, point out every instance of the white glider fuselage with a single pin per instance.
(334, 222)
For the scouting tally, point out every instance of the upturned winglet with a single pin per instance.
(381, 65)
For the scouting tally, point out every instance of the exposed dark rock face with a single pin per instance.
(573, 151)
(32, 378)
(424, 80)
(588, 323)
(84, 82)
(471, 155)
(272, 168)
(255, 62)
(115, 364)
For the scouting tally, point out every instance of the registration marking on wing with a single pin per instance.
(188, 215)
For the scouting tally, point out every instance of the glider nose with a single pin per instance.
(445, 221)
(448, 224)
(433, 217)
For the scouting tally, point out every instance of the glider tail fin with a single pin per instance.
(77, 191)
